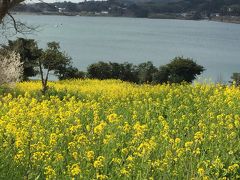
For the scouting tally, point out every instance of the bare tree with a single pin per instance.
(10, 26)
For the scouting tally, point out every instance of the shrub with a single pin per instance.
(71, 73)
(100, 70)
(146, 72)
(180, 69)
(235, 79)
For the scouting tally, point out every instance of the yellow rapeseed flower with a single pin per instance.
(99, 162)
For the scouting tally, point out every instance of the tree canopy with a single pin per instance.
(52, 59)
(42, 61)
(29, 54)
(181, 69)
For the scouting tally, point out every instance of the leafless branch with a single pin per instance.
(21, 27)
(14, 22)
(9, 26)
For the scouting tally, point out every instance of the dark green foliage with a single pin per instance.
(117, 70)
(52, 59)
(180, 69)
(235, 79)
(146, 72)
(29, 53)
(37, 61)
(139, 11)
(70, 73)
(129, 73)
(161, 76)
(100, 70)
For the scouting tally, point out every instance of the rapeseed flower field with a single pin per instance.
(91, 129)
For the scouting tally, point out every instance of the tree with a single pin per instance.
(37, 61)
(139, 11)
(235, 79)
(116, 70)
(11, 68)
(146, 72)
(70, 73)
(161, 76)
(125, 72)
(52, 59)
(100, 70)
(180, 69)
(29, 55)
(130, 73)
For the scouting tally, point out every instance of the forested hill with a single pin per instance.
(210, 6)
(195, 9)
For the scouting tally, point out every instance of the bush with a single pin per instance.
(100, 70)
(29, 54)
(235, 79)
(71, 73)
(179, 70)
(129, 73)
(161, 76)
(146, 72)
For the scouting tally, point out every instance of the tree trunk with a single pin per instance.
(6, 5)
(44, 89)
(3, 8)
(45, 82)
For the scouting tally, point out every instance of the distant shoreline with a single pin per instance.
(224, 19)
(227, 19)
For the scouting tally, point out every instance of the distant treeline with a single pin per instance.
(38, 61)
(178, 70)
(52, 60)
(144, 8)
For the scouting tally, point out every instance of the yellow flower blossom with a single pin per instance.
(49, 172)
(233, 168)
(99, 128)
(125, 172)
(198, 136)
(101, 176)
(112, 118)
(99, 162)
(109, 129)
(90, 155)
(75, 170)
(201, 171)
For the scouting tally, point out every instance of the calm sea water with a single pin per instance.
(87, 40)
